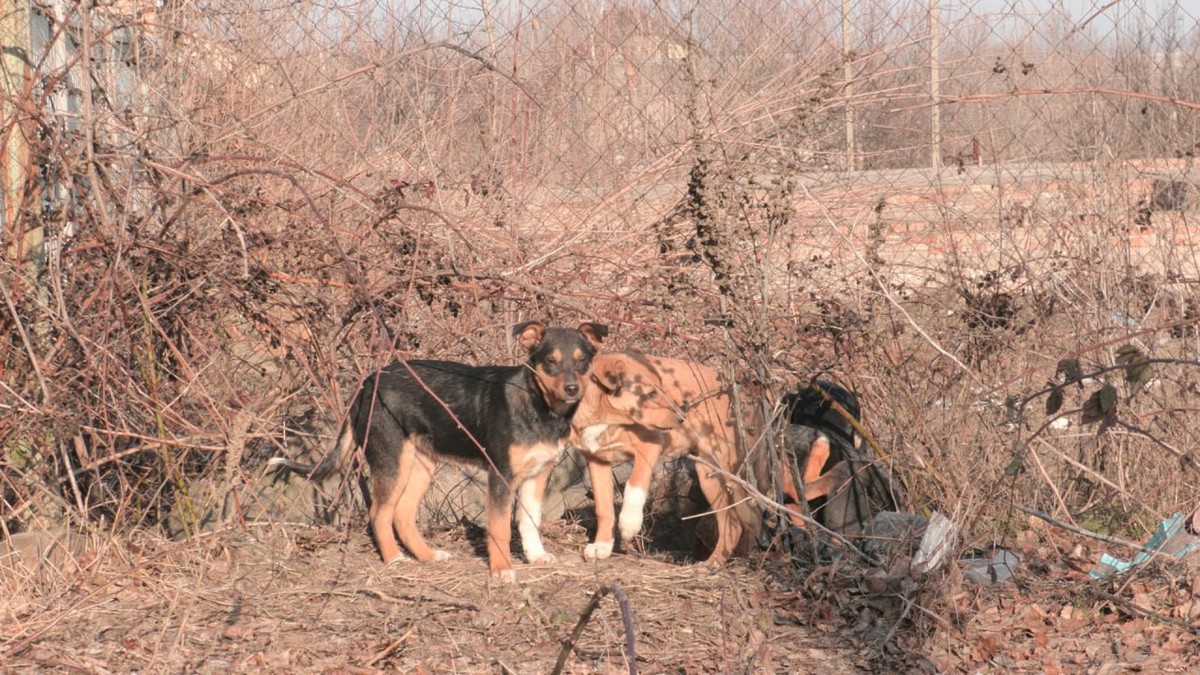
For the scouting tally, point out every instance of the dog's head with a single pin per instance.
(631, 392)
(560, 358)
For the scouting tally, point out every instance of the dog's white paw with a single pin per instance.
(400, 559)
(505, 576)
(629, 525)
(598, 551)
(439, 555)
(542, 559)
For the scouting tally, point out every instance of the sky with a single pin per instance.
(1099, 16)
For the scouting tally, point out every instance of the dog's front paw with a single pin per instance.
(541, 559)
(439, 555)
(598, 550)
(629, 523)
(505, 576)
(630, 527)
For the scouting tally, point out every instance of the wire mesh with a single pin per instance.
(221, 209)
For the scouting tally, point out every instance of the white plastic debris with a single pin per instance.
(935, 545)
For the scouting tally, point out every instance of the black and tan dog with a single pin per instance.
(511, 420)
(822, 422)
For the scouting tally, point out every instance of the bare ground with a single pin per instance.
(296, 598)
(283, 598)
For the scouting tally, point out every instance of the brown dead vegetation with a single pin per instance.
(221, 221)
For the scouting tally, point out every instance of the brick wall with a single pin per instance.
(988, 217)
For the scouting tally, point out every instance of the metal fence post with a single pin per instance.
(15, 157)
(935, 112)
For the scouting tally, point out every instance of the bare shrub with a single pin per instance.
(230, 212)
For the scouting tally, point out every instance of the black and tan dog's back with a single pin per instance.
(843, 488)
(511, 420)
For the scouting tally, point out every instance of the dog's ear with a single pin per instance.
(529, 334)
(609, 372)
(594, 333)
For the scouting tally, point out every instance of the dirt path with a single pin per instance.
(292, 598)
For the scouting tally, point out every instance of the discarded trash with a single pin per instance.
(892, 537)
(1121, 318)
(935, 545)
(997, 569)
(916, 543)
(1170, 539)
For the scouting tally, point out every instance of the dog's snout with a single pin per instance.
(571, 390)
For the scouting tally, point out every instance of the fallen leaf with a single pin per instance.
(237, 632)
(985, 648)
(1143, 601)
(1188, 610)
(1034, 618)
(1175, 645)
(1132, 627)
(1027, 540)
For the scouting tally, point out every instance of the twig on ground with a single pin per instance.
(388, 650)
(406, 598)
(1148, 613)
(626, 617)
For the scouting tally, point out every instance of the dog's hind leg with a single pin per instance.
(717, 491)
(416, 473)
(385, 493)
(829, 482)
(818, 455)
(791, 496)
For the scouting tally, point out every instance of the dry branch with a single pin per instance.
(626, 617)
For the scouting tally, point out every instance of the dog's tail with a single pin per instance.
(332, 461)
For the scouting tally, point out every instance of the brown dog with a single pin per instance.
(645, 407)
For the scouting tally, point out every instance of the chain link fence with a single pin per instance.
(218, 216)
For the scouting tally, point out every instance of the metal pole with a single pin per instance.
(14, 145)
(935, 112)
(851, 155)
